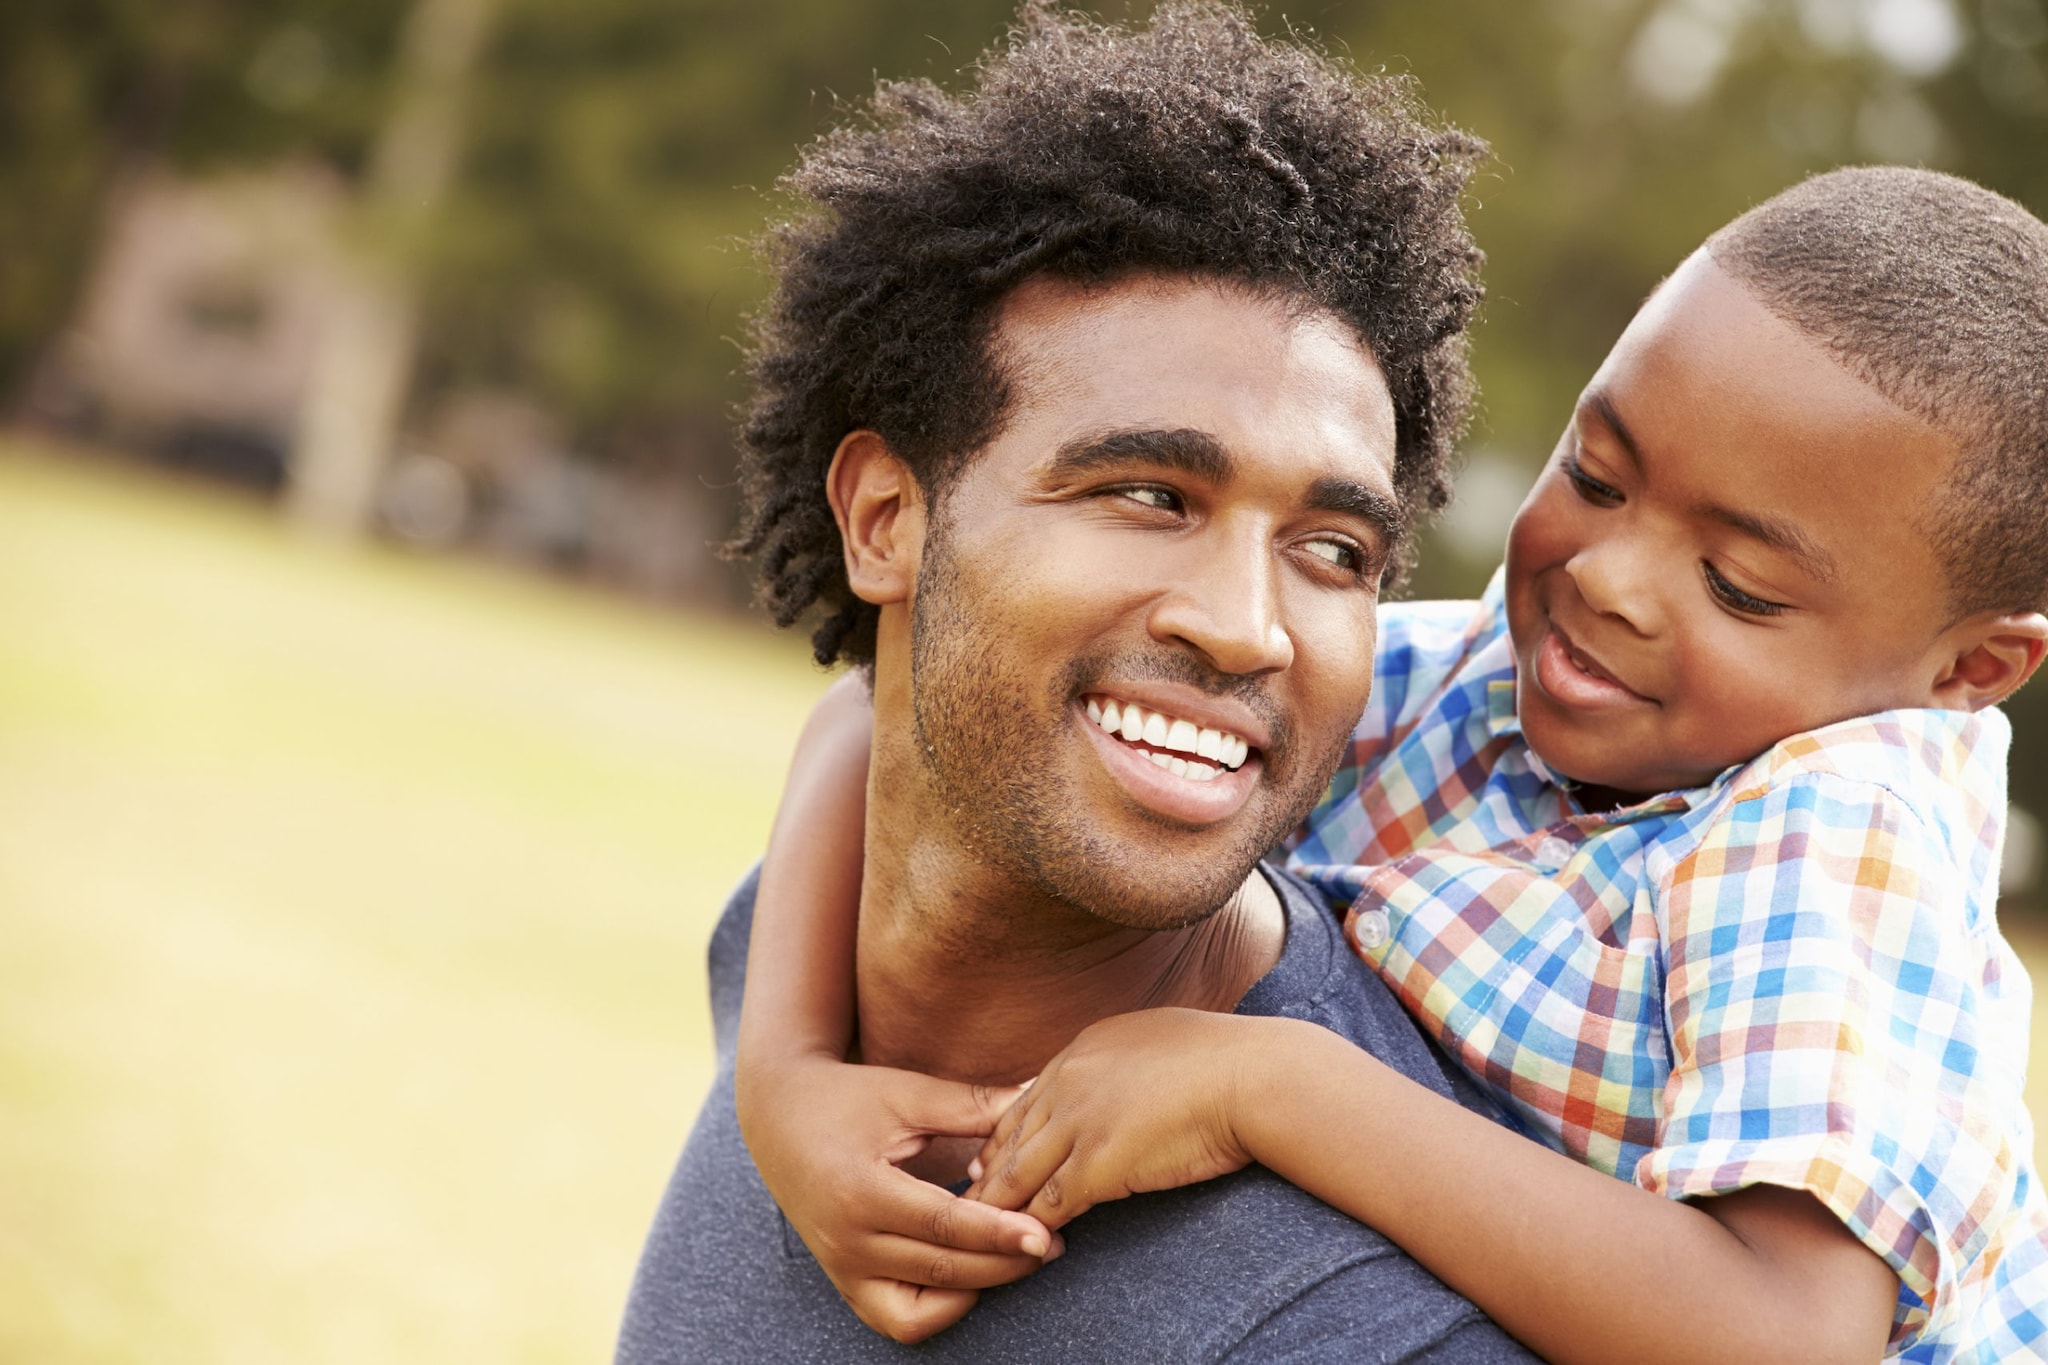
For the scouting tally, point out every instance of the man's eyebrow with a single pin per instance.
(1183, 448)
(1779, 534)
(1352, 498)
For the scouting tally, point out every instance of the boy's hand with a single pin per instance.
(909, 1257)
(1137, 1102)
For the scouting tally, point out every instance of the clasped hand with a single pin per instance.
(1137, 1102)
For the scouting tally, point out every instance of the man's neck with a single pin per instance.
(963, 973)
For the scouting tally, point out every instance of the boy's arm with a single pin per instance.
(1580, 1266)
(908, 1256)
(799, 996)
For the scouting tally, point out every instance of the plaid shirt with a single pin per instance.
(1792, 976)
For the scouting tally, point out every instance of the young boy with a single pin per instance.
(1683, 841)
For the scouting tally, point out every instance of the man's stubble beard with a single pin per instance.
(978, 732)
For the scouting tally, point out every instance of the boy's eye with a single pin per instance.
(1591, 489)
(1735, 599)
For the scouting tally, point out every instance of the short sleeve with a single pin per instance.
(1831, 1007)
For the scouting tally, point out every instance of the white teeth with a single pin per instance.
(1177, 766)
(1133, 723)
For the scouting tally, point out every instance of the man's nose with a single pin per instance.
(1620, 577)
(1227, 608)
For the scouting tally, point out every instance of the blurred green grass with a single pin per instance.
(352, 911)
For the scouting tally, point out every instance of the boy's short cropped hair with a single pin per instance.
(1935, 292)
(1190, 147)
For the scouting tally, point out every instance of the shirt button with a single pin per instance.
(1554, 851)
(1369, 929)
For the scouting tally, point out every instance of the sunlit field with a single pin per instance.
(352, 914)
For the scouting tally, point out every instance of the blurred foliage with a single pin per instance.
(620, 152)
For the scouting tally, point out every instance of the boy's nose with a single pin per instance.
(1618, 580)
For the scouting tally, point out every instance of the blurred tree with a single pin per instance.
(597, 254)
(365, 364)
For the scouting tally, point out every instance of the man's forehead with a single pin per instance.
(1165, 350)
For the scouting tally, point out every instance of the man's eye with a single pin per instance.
(1591, 489)
(1735, 599)
(1340, 553)
(1164, 499)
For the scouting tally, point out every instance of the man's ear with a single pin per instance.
(881, 515)
(1992, 656)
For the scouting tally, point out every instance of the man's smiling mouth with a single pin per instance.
(1180, 746)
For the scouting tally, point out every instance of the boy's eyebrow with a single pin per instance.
(1202, 456)
(1610, 417)
(1775, 532)
(1779, 535)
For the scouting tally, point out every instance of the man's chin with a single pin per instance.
(1155, 894)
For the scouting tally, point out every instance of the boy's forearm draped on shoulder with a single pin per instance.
(799, 998)
(908, 1257)
(1580, 1266)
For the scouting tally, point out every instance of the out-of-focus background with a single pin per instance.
(379, 733)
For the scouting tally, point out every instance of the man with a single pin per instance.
(1120, 382)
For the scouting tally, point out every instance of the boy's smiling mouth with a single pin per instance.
(1576, 678)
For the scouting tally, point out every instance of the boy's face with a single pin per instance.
(1725, 549)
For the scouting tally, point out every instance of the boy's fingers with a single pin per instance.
(1019, 1123)
(953, 1108)
(923, 1264)
(906, 1312)
(926, 1213)
(1016, 1176)
(1062, 1197)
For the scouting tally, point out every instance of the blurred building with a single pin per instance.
(195, 345)
(199, 324)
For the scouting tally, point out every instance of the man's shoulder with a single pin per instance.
(1245, 1267)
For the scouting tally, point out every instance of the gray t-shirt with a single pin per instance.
(1244, 1268)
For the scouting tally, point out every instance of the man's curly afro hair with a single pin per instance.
(1192, 147)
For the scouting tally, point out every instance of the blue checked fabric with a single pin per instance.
(1790, 977)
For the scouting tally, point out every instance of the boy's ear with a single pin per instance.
(1994, 655)
(881, 515)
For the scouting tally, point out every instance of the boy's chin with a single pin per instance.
(1589, 763)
